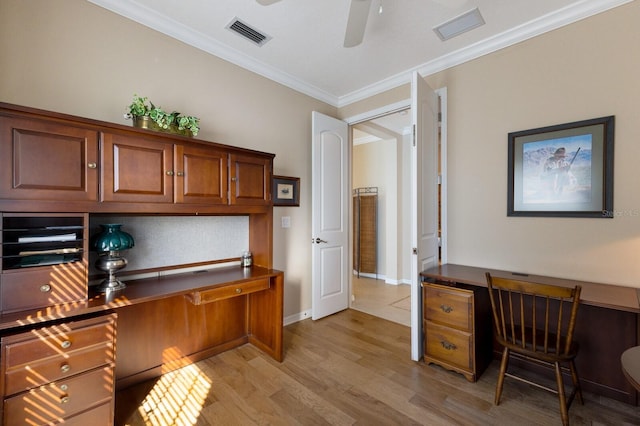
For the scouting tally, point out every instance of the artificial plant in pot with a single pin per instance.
(143, 113)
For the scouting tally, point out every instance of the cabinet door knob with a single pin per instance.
(65, 368)
(169, 172)
(45, 288)
(64, 388)
(180, 173)
(66, 344)
(233, 179)
(92, 165)
(64, 399)
(238, 290)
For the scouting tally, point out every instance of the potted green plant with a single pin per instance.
(146, 115)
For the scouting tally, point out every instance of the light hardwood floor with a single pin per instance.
(346, 369)
(375, 297)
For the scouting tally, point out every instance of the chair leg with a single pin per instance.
(564, 412)
(576, 381)
(503, 371)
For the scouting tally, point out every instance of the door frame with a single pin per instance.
(389, 109)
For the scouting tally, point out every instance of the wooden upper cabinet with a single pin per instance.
(250, 180)
(135, 169)
(201, 175)
(47, 160)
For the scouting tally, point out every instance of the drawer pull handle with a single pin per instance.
(64, 388)
(66, 344)
(448, 345)
(65, 368)
(64, 399)
(446, 309)
(238, 290)
(92, 165)
(45, 288)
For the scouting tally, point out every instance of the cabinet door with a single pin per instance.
(201, 175)
(45, 160)
(250, 180)
(136, 169)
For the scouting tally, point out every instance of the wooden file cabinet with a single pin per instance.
(456, 321)
(61, 373)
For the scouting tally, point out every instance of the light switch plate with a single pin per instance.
(286, 221)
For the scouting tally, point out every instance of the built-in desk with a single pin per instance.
(173, 320)
(608, 324)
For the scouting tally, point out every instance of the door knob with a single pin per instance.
(318, 241)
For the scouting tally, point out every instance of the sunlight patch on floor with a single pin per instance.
(177, 398)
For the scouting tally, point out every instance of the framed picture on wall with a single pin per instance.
(564, 170)
(286, 191)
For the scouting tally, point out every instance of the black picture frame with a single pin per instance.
(565, 170)
(286, 191)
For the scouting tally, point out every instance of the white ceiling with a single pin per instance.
(306, 51)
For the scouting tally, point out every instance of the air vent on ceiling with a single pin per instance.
(251, 34)
(460, 24)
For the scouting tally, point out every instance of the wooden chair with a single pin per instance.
(536, 322)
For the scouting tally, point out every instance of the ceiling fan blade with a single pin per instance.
(357, 22)
(267, 2)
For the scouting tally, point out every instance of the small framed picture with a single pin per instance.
(286, 191)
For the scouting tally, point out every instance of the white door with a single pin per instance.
(424, 210)
(329, 217)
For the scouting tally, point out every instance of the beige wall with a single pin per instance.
(586, 70)
(77, 58)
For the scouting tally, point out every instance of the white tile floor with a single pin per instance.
(391, 302)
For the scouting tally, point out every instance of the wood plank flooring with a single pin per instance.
(382, 300)
(347, 369)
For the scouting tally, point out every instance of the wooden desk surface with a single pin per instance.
(595, 294)
(136, 292)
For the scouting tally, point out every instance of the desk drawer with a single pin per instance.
(60, 399)
(448, 345)
(24, 290)
(57, 341)
(227, 291)
(102, 415)
(38, 373)
(449, 306)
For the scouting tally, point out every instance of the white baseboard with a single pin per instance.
(383, 277)
(297, 317)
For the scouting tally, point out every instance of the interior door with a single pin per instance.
(424, 168)
(329, 218)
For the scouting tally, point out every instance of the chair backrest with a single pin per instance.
(535, 318)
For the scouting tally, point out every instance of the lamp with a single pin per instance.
(109, 243)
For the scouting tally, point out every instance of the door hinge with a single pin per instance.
(414, 135)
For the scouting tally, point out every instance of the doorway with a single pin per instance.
(380, 166)
(381, 144)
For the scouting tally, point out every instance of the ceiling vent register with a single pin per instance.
(249, 33)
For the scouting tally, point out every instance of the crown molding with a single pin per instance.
(165, 25)
(562, 17)
(149, 18)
